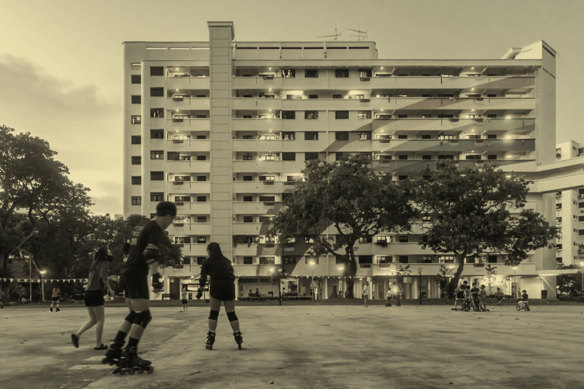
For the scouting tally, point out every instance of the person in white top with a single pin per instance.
(365, 293)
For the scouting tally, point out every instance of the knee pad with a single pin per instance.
(231, 316)
(131, 317)
(142, 318)
(213, 315)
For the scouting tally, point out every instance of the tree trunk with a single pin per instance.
(454, 281)
(352, 265)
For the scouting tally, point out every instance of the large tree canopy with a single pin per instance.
(349, 196)
(472, 212)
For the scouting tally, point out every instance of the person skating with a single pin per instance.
(183, 296)
(388, 296)
(474, 291)
(55, 298)
(143, 257)
(97, 281)
(483, 299)
(222, 289)
(365, 293)
(499, 296)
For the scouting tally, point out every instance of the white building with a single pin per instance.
(223, 129)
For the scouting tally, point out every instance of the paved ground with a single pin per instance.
(308, 346)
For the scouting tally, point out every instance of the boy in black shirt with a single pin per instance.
(143, 257)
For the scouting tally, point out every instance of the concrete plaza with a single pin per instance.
(307, 346)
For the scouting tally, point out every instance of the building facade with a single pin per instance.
(223, 129)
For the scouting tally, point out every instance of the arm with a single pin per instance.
(103, 274)
(202, 279)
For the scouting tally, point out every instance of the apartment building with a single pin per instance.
(570, 212)
(223, 128)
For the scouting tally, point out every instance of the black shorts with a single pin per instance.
(222, 290)
(184, 301)
(55, 298)
(94, 298)
(135, 285)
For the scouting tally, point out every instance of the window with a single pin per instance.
(157, 92)
(310, 115)
(136, 119)
(446, 157)
(288, 115)
(247, 198)
(581, 218)
(313, 96)
(201, 157)
(426, 157)
(402, 259)
(173, 156)
(201, 199)
(402, 238)
(247, 260)
(363, 114)
(311, 135)
(156, 112)
(426, 136)
(366, 259)
(311, 73)
(337, 96)
(136, 99)
(156, 196)
(341, 114)
(492, 156)
(580, 232)
(492, 259)
(201, 239)
(136, 139)
(248, 219)
(473, 156)
(136, 180)
(288, 73)
(156, 134)
(136, 200)
(364, 136)
(580, 205)
(136, 160)
(247, 178)
(156, 70)
(136, 79)
(157, 176)
(310, 156)
(288, 136)
(341, 73)
(288, 156)
(201, 178)
(156, 154)
(341, 135)
(402, 157)
(402, 136)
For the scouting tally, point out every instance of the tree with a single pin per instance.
(350, 197)
(478, 211)
(34, 189)
(491, 272)
(444, 274)
(401, 272)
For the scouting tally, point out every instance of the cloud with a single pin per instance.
(84, 129)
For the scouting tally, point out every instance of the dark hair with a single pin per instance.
(214, 250)
(101, 254)
(166, 208)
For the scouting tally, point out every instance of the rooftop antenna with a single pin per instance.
(334, 36)
(360, 34)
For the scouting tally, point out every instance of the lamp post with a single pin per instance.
(311, 264)
(42, 272)
(420, 284)
(515, 280)
(341, 270)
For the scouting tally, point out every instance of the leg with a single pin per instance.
(214, 314)
(114, 351)
(100, 318)
(234, 321)
(141, 319)
(92, 321)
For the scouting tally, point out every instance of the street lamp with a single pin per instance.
(43, 272)
(515, 280)
(341, 270)
(311, 264)
(420, 284)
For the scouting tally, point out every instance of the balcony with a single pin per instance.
(188, 102)
(188, 145)
(444, 124)
(258, 187)
(193, 208)
(257, 166)
(187, 83)
(186, 123)
(437, 82)
(188, 187)
(189, 229)
(477, 146)
(246, 250)
(181, 166)
(258, 145)
(240, 124)
(255, 207)
(246, 228)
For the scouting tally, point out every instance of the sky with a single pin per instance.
(61, 60)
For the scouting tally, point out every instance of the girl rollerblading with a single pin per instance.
(222, 290)
(130, 363)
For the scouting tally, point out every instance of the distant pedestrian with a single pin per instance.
(97, 281)
(184, 297)
(483, 299)
(55, 298)
(388, 296)
(499, 296)
(222, 290)
(365, 293)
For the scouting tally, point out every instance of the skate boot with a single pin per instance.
(238, 339)
(113, 354)
(210, 340)
(130, 363)
(58, 310)
(51, 309)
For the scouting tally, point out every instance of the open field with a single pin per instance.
(307, 346)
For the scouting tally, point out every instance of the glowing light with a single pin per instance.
(43, 272)
(472, 89)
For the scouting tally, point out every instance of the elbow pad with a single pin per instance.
(151, 253)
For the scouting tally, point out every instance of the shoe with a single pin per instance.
(51, 309)
(101, 347)
(58, 310)
(75, 340)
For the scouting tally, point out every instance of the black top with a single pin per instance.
(524, 296)
(475, 290)
(217, 269)
(144, 237)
